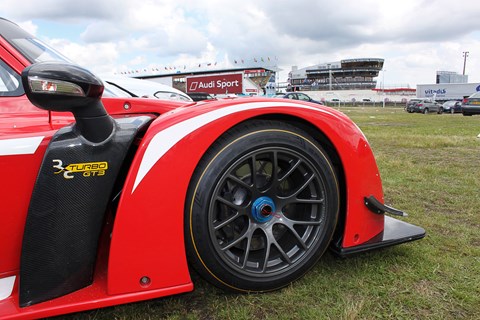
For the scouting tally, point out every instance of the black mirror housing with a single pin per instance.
(57, 86)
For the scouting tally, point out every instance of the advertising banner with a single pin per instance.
(216, 84)
(447, 91)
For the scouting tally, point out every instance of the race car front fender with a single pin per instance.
(148, 230)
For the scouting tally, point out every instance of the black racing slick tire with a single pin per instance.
(262, 207)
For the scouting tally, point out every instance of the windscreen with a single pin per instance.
(36, 51)
(28, 45)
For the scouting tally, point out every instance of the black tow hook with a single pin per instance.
(377, 207)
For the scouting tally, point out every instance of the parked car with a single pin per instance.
(452, 106)
(200, 96)
(423, 106)
(111, 200)
(144, 88)
(439, 107)
(297, 96)
(409, 107)
(471, 105)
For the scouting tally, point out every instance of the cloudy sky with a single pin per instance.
(415, 37)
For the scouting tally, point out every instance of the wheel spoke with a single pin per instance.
(292, 198)
(304, 185)
(301, 223)
(240, 182)
(227, 222)
(290, 171)
(253, 171)
(289, 224)
(264, 172)
(309, 201)
(229, 203)
(275, 167)
(267, 255)
(247, 252)
(283, 253)
(235, 242)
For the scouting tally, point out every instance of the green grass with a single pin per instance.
(430, 168)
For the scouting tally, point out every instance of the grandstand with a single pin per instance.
(348, 74)
(258, 74)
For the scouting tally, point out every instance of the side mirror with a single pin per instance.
(56, 86)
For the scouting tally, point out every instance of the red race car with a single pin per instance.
(111, 200)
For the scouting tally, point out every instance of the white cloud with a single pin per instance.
(416, 38)
(29, 26)
(99, 57)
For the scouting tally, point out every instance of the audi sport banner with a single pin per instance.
(217, 84)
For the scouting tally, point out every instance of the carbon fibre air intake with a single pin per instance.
(67, 210)
(74, 183)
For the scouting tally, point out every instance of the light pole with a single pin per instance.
(465, 55)
(383, 86)
(329, 77)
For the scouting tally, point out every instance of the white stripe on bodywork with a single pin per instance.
(10, 147)
(166, 139)
(6, 287)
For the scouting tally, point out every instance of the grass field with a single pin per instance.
(430, 168)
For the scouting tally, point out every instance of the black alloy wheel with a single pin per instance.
(262, 207)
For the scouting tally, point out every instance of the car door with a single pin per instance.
(291, 96)
(457, 107)
(24, 134)
(433, 106)
(303, 97)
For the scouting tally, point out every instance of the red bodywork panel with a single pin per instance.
(148, 226)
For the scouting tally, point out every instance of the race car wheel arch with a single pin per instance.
(261, 208)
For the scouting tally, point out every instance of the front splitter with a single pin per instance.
(395, 232)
